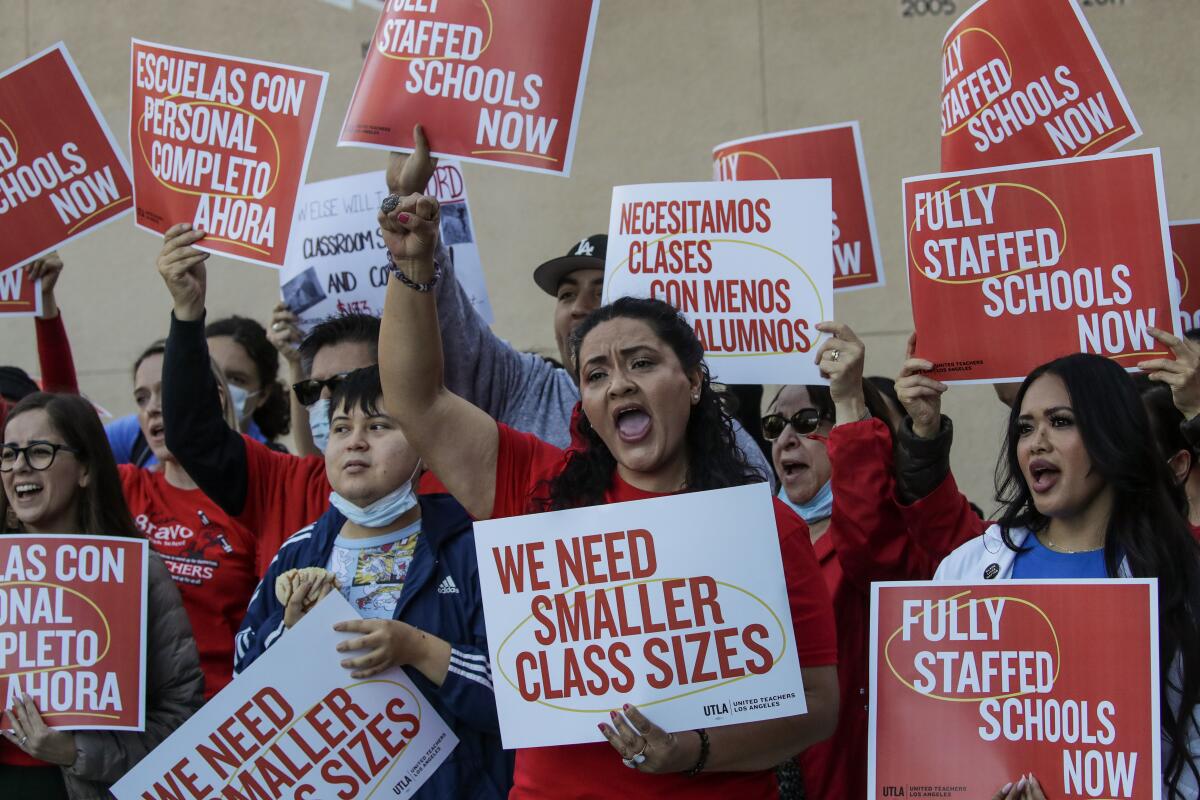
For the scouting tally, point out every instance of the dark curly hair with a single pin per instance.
(1148, 530)
(714, 459)
(274, 416)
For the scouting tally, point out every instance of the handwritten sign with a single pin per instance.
(1057, 678)
(73, 628)
(61, 172)
(222, 143)
(638, 603)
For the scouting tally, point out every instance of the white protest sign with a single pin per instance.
(748, 263)
(336, 261)
(639, 602)
(295, 719)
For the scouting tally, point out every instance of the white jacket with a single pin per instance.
(987, 557)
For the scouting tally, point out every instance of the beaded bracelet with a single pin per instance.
(703, 754)
(409, 282)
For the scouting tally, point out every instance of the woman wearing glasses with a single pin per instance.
(832, 449)
(59, 477)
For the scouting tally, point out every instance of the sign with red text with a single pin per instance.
(1185, 254)
(221, 143)
(1010, 268)
(337, 261)
(830, 151)
(1054, 678)
(315, 732)
(19, 296)
(61, 172)
(1025, 80)
(498, 83)
(639, 603)
(748, 263)
(73, 628)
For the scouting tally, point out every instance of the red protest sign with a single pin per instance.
(19, 296)
(222, 143)
(1009, 268)
(1185, 254)
(1054, 678)
(1025, 80)
(61, 172)
(498, 83)
(830, 151)
(73, 628)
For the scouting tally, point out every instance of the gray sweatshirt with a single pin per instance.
(521, 390)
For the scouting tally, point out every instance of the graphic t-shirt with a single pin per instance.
(371, 572)
(595, 770)
(211, 558)
(1035, 560)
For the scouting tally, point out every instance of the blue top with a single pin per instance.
(123, 434)
(1038, 561)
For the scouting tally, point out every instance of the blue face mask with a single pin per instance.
(382, 512)
(819, 507)
(318, 423)
(240, 397)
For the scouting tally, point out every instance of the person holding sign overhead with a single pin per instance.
(59, 477)
(1087, 495)
(650, 425)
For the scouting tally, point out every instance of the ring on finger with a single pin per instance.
(834, 355)
(390, 203)
(629, 762)
(277, 326)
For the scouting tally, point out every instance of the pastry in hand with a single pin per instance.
(287, 582)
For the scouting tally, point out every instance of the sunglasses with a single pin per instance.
(309, 391)
(803, 422)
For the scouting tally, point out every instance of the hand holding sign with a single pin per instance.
(31, 734)
(182, 269)
(1026, 788)
(393, 643)
(920, 395)
(645, 746)
(1181, 374)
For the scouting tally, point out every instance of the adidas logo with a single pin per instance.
(584, 248)
(447, 586)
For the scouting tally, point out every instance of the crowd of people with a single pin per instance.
(408, 428)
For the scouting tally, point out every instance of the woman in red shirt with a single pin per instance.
(650, 425)
(212, 559)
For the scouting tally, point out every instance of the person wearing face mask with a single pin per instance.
(407, 565)
(1085, 493)
(59, 477)
(215, 561)
(649, 424)
(832, 449)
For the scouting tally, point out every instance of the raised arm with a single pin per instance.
(54, 348)
(458, 441)
(210, 452)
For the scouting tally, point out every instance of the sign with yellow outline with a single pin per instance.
(73, 629)
(221, 143)
(1011, 267)
(500, 83)
(675, 604)
(1025, 80)
(61, 172)
(19, 296)
(294, 724)
(1057, 678)
(747, 262)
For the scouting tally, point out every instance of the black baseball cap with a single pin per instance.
(587, 253)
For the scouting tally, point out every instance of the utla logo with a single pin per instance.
(716, 710)
(893, 791)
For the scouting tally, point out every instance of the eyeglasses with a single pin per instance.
(38, 455)
(309, 391)
(803, 422)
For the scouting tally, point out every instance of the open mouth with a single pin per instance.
(156, 430)
(1045, 475)
(26, 490)
(633, 423)
(792, 468)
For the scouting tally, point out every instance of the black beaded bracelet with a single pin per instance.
(700, 762)
(409, 282)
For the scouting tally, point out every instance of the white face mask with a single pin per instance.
(318, 423)
(382, 512)
(240, 397)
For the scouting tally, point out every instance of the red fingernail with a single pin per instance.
(626, 706)
(601, 727)
(402, 218)
(612, 714)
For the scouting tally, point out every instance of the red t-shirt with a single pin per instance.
(284, 493)
(212, 559)
(595, 770)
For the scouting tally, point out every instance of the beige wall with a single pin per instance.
(668, 80)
